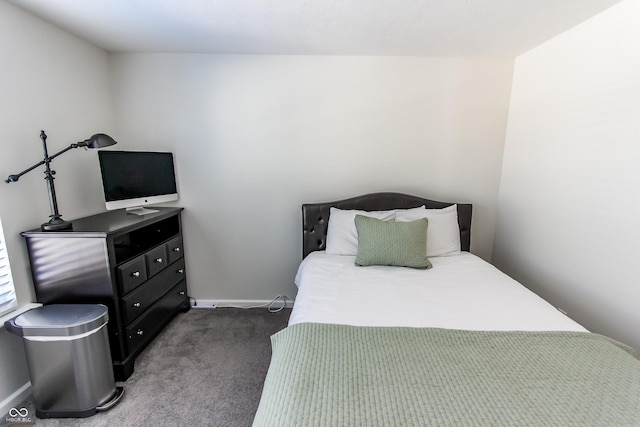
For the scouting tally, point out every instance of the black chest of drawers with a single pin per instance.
(132, 264)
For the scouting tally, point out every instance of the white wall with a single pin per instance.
(569, 200)
(55, 82)
(256, 136)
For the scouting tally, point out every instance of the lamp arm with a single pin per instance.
(14, 178)
(62, 151)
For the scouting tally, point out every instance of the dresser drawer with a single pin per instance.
(138, 301)
(156, 260)
(132, 274)
(148, 325)
(174, 249)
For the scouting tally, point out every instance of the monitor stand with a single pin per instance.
(139, 210)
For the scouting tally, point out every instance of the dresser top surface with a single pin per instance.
(107, 223)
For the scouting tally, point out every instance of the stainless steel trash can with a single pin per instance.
(69, 359)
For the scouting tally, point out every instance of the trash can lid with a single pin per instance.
(61, 320)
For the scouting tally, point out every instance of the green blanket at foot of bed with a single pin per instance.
(337, 375)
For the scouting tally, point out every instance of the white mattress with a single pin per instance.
(459, 292)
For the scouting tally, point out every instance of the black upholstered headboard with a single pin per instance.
(315, 216)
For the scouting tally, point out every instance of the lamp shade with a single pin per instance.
(98, 140)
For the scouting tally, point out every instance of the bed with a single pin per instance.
(447, 341)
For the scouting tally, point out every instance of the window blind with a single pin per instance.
(7, 291)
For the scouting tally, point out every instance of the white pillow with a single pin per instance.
(443, 231)
(342, 236)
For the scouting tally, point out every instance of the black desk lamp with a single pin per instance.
(56, 222)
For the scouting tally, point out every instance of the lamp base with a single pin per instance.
(56, 224)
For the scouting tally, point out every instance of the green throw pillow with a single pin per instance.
(403, 244)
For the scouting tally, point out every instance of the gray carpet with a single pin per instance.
(206, 368)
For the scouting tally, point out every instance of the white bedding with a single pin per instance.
(459, 292)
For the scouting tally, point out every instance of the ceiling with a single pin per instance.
(318, 27)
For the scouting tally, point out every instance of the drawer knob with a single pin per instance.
(140, 332)
(158, 260)
(176, 249)
(136, 274)
(181, 271)
(181, 292)
(136, 304)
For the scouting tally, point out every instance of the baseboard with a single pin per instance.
(15, 399)
(273, 303)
